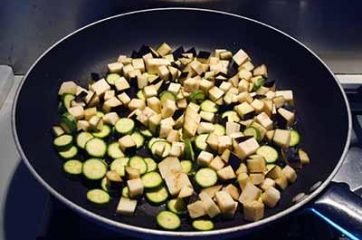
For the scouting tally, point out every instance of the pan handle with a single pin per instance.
(340, 208)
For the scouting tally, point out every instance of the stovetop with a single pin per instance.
(29, 212)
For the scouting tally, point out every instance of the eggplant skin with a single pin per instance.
(291, 157)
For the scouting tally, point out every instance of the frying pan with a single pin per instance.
(321, 105)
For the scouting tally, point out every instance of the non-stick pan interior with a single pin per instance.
(320, 105)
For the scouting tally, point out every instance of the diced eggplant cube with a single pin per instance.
(163, 72)
(100, 87)
(225, 156)
(268, 182)
(253, 211)
(182, 103)
(109, 94)
(241, 169)
(110, 118)
(126, 143)
(211, 191)
(224, 142)
(83, 125)
(136, 103)
(303, 156)
(209, 205)
(196, 209)
(186, 191)
(89, 113)
(204, 158)
(232, 127)
(240, 57)
(122, 84)
(282, 181)
(176, 181)
(135, 187)
(245, 110)
(260, 71)
(271, 197)
(215, 93)
(152, 64)
(250, 193)
(217, 163)
(132, 173)
(256, 165)
(149, 91)
(168, 109)
(169, 165)
(124, 98)
(246, 148)
(164, 49)
(258, 105)
(174, 87)
(213, 141)
(287, 94)
(242, 180)
(154, 122)
(233, 191)
(142, 80)
(205, 85)
(176, 151)
(226, 173)
(139, 64)
(126, 206)
(69, 87)
(111, 103)
(287, 117)
(115, 67)
(264, 120)
(290, 173)
(256, 178)
(225, 201)
(281, 137)
(274, 172)
(77, 112)
(205, 127)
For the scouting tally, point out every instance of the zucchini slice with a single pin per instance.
(68, 123)
(138, 139)
(209, 106)
(168, 220)
(70, 153)
(125, 191)
(219, 129)
(269, 153)
(251, 131)
(112, 78)
(206, 177)
(177, 205)
(294, 138)
(157, 196)
(202, 225)
(146, 133)
(63, 143)
(119, 164)
(231, 116)
(139, 163)
(151, 180)
(96, 147)
(94, 169)
(124, 126)
(200, 141)
(83, 138)
(98, 196)
(197, 96)
(186, 166)
(105, 132)
(73, 167)
(114, 151)
(167, 95)
(67, 100)
(151, 164)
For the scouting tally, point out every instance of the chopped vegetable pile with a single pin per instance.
(204, 133)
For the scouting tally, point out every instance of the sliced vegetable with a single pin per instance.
(73, 167)
(203, 225)
(206, 177)
(94, 169)
(168, 220)
(98, 196)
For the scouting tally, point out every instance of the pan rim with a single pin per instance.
(141, 230)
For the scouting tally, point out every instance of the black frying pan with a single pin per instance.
(324, 115)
